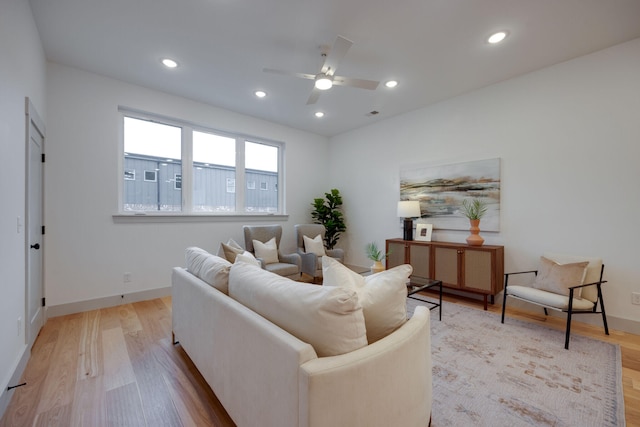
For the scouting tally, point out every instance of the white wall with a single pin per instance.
(22, 74)
(568, 138)
(87, 252)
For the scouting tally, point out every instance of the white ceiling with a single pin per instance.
(436, 49)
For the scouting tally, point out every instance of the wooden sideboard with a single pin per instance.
(474, 269)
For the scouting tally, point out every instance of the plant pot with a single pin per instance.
(474, 238)
(377, 267)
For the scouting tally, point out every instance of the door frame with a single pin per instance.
(33, 118)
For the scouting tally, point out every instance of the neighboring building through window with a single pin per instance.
(154, 148)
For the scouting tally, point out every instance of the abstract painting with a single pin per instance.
(441, 190)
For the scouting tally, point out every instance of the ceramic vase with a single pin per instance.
(377, 267)
(474, 238)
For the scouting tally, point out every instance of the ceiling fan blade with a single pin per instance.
(336, 54)
(313, 98)
(359, 83)
(289, 73)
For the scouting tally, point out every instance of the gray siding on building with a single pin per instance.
(211, 192)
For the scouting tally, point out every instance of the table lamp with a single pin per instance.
(408, 210)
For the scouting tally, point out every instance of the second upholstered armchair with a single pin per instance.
(264, 242)
(310, 242)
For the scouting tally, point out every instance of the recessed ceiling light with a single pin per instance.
(497, 37)
(391, 84)
(319, 114)
(169, 63)
(260, 93)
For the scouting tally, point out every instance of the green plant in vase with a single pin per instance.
(375, 255)
(474, 209)
(327, 212)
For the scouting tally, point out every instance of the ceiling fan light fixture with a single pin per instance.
(391, 84)
(323, 82)
(319, 114)
(260, 93)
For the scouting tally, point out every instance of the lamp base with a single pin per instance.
(408, 229)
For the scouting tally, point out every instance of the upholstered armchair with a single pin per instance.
(313, 249)
(263, 241)
(566, 283)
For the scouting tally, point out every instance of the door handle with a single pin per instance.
(36, 246)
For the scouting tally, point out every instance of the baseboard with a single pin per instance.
(112, 301)
(6, 395)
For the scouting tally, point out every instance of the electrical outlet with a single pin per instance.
(635, 298)
(126, 278)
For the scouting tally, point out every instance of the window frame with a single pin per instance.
(188, 166)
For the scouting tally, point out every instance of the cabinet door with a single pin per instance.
(446, 266)
(396, 254)
(478, 270)
(419, 259)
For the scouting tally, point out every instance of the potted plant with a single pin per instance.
(327, 212)
(474, 209)
(375, 255)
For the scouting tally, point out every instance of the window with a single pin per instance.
(219, 170)
(150, 176)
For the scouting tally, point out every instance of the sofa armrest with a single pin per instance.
(397, 368)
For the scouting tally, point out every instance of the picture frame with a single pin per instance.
(423, 232)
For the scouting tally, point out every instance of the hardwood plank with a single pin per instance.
(87, 408)
(117, 364)
(128, 318)
(123, 407)
(110, 318)
(90, 346)
(59, 416)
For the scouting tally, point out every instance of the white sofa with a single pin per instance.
(265, 376)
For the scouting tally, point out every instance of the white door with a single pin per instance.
(34, 224)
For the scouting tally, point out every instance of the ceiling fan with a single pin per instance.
(326, 78)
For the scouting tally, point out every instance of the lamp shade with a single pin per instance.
(409, 209)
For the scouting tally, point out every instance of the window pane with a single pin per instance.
(214, 173)
(261, 165)
(151, 150)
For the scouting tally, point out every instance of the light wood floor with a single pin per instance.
(118, 367)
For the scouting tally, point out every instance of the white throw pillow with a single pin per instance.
(314, 246)
(328, 318)
(268, 251)
(248, 258)
(383, 295)
(209, 268)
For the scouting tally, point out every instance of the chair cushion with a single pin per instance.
(314, 246)
(283, 269)
(592, 275)
(328, 318)
(548, 299)
(267, 251)
(383, 295)
(210, 268)
(558, 278)
(231, 249)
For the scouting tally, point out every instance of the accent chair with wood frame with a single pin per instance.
(567, 283)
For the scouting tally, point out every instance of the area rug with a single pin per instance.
(518, 374)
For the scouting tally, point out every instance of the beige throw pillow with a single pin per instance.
(383, 295)
(268, 251)
(314, 246)
(330, 319)
(248, 258)
(558, 278)
(231, 249)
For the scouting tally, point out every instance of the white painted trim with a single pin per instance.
(112, 301)
(18, 370)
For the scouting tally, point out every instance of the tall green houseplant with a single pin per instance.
(327, 212)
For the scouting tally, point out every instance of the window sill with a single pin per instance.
(128, 218)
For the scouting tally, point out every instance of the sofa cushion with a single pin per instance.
(230, 250)
(314, 246)
(267, 251)
(330, 319)
(383, 295)
(558, 278)
(210, 268)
